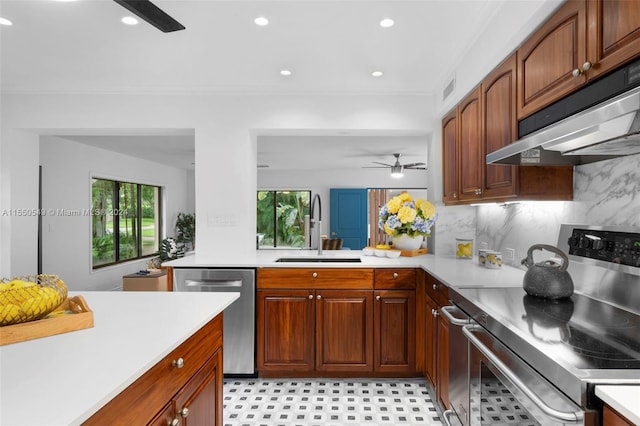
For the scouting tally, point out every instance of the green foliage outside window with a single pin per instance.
(280, 217)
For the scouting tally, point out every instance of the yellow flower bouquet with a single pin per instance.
(403, 215)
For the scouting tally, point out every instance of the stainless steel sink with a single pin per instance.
(320, 259)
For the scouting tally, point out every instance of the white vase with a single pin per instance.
(405, 242)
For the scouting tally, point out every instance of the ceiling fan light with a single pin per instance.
(396, 172)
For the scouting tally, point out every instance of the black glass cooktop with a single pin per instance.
(580, 331)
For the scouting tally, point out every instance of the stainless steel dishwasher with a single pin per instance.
(239, 318)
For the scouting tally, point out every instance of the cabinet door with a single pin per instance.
(499, 130)
(164, 417)
(548, 58)
(431, 341)
(470, 147)
(450, 165)
(442, 362)
(614, 34)
(199, 403)
(344, 330)
(395, 335)
(285, 324)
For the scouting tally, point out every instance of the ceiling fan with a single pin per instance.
(397, 169)
(152, 14)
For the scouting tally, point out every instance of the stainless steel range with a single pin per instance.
(536, 361)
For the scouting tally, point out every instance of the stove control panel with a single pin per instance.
(608, 246)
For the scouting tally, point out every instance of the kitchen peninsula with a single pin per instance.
(66, 379)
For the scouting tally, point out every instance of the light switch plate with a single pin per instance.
(509, 255)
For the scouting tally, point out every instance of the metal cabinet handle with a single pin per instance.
(576, 72)
(580, 71)
(378, 297)
(447, 312)
(174, 422)
(395, 275)
(455, 195)
(178, 363)
(435, 312)
(184, 412)
(572, 416)
(435, 286)
(310, 296)
(318, 297)
(445, 415)
(314, 275)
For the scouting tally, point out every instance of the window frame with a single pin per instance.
(115, 194)
(275, 216)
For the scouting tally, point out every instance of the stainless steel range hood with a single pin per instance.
(604, 130)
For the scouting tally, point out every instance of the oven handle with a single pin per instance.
(574, 416)
(447, 311)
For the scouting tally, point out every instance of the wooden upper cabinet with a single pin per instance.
(450, 158)
(499, 128)
(548, 58)
(470, 148)
(614, 34)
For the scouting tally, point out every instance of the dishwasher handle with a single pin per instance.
(447, 312)
(573, 416)
(209, 283)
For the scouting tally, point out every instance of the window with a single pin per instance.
(280, 217)
(125, 221)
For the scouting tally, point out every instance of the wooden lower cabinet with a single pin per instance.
(286, 330)
(330, 329)
(612, 418)
(344, 327)
(395, 331)
(185, 388)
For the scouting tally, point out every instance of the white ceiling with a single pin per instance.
(329, 45)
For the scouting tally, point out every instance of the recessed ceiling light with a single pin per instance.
(129, 20)
(377, 74)
(286, 73)
(5, 21)
(261, 21)
(387, 22)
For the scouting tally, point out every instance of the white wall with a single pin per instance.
(225, 149)
(67, 168)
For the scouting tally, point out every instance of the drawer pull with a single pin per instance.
(178, 363)
(319, 297)
(314, 275)
(310, 296)
(184, 412)
(395, 275)
(378, 298)
(435, 286)
(174, 422)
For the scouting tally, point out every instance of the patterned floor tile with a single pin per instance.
(328, 402)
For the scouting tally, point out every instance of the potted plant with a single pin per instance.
(186, 231)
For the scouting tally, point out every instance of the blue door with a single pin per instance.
(348, 217)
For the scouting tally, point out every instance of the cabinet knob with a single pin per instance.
(435, 286)
(318, 297)
(435, 313)
(314, 275)
(184, 412)
(377, 297)
(310, 296)
(455, 195)
(174, 422)
(395, 275)
(577, 72)
(586, 66)
(178, 363)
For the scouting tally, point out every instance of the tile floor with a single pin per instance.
(326, 402)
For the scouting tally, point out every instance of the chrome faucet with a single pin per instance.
(312, 222)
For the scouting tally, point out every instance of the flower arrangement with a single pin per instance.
(403, 215)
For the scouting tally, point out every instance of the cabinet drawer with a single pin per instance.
(316, 278)
(395, 279)
(436, 290)
(141, 401)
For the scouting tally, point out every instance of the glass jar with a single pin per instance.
(464, 248)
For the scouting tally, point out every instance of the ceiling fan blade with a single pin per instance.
(374, 167)
(413, 165)
(152, 14)
(384, 164)
(415, 168)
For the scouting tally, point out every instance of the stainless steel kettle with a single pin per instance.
(547, 279)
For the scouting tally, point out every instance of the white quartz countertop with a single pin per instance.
(625, 399)
(457, 273)
(64, 379)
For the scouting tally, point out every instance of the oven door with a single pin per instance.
(504, 390)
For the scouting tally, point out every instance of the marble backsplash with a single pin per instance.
(605, 193)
